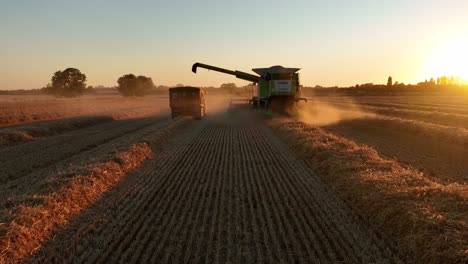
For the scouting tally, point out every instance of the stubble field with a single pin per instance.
(357, 180)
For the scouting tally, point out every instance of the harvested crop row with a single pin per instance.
(49, 178)
(17, 161)
(120, 210)
(439, 155)
(404, 105)
(454, 102)
(24, 133)
(419, 213)
(433, 132)
(31, 225)
(447, 119)
(39, 108)
(440, 109)
(352, 113)
(460, 105)
(229, 193)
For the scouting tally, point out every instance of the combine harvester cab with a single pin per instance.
(278, 88)
(187, 101)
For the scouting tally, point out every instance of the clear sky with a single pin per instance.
(335, 42)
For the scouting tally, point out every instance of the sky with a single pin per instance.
(334, 42)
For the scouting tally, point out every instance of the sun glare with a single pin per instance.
(450, 58)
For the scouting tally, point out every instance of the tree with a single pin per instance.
(144, 85)
(68, 83)
(131, 85)
(389, 81)
(443, 80)
(127, 85)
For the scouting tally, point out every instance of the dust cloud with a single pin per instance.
(314, 112)
(217, 104)
(322, 113)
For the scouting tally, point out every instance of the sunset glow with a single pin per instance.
(450, 58)
(334, 42)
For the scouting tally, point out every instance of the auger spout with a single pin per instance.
(238, 74)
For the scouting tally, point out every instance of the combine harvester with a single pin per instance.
(278, 88)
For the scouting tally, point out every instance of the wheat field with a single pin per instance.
(100, 179)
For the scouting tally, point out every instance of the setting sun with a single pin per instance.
(450, 58)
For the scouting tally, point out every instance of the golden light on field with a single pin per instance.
(449, 58)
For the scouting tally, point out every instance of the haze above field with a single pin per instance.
(334, 42)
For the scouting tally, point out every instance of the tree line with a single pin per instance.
(446, 81)
(442, 82)
(72, 83)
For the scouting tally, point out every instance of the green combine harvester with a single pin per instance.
(278, 87)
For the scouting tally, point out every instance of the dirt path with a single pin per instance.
(223, 191)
